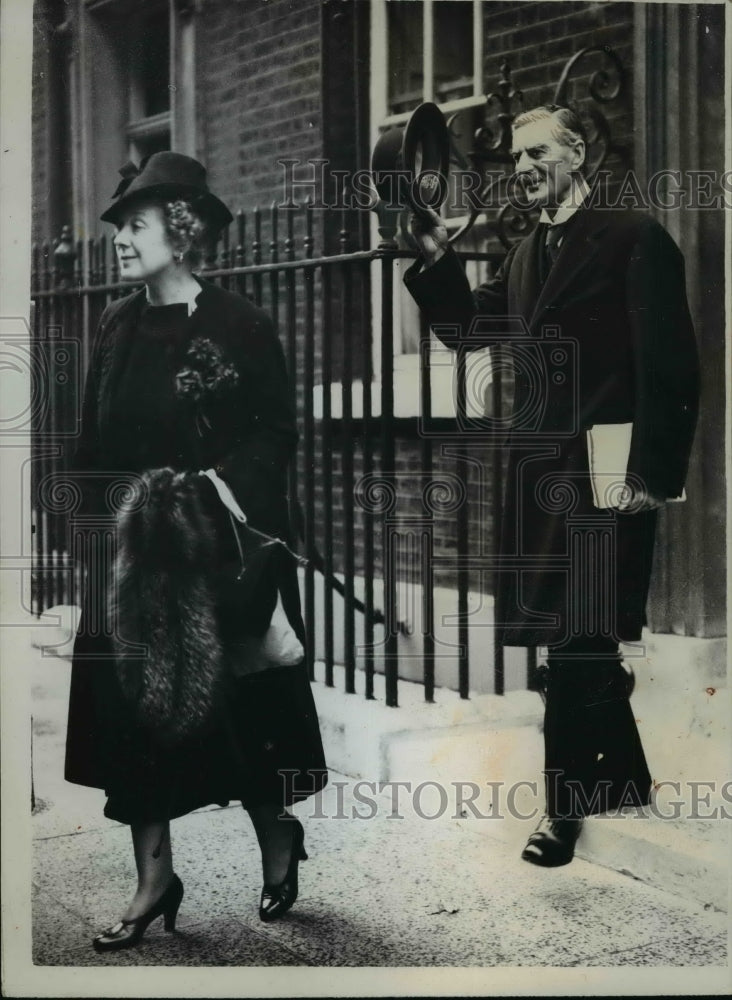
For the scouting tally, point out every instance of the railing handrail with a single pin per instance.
(305, 263)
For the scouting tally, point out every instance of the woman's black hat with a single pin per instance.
(417, 157)
(168, 175)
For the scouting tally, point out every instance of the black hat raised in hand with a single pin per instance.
(410, 164)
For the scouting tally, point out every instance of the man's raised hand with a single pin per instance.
(430, 234)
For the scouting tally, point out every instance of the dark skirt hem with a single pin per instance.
(120, 812)
(116, 811)
(262, 746)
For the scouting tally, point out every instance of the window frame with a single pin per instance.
(102, 112)
(381, 119)
(139, 125)
(379, 28)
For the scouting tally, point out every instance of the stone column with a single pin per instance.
(679, 118)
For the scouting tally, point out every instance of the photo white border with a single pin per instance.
(20, 977)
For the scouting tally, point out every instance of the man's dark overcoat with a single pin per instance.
(616, 297)
(134, 419)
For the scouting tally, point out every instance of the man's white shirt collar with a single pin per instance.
(569, 205)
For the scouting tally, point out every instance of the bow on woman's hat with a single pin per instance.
(168, 175)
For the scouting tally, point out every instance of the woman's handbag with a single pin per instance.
(256, 587)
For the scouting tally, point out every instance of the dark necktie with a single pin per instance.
(553, 236)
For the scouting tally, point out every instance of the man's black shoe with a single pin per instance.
(552, 843)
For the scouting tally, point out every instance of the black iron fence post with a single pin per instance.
(309, 437)
(391, 652)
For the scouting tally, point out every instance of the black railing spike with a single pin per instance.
(309, 241)
(46, 266)
(241, 234)
(290, 236)
(257, 241)
(64, 256)
(344, 234)
(79, 271)
(274, 233)
(257, 254)
(90, 262)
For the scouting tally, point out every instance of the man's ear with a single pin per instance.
(580, 153)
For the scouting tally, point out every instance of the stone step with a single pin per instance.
(478, 762)
(687, 857)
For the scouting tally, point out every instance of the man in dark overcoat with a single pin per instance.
(592, 309)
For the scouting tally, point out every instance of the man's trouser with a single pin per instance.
(594, 760)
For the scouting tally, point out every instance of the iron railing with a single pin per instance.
(353, 464)
(358, 456)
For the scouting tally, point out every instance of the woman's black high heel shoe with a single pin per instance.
(127, 933)
(277, 899)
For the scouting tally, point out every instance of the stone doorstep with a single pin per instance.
(682, 657)
(688, 858)
(498, 739)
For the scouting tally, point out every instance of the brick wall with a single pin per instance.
(258, 71)
(538, 38)
(412, 509)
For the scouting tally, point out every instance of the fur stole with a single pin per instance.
(163, 599)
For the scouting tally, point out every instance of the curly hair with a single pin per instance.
(186, 230)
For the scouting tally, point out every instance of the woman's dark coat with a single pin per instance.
(607, 339)
(268, 722)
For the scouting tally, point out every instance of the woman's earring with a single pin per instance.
(178, 256)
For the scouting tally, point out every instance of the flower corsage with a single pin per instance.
(206, 378)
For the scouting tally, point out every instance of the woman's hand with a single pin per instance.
(430, 234)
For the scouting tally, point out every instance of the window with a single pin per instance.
(149, 82)
(432, 51)
(133, 93)
(455, 70)
(405, 48)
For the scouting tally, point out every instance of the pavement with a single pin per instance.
(377, 892)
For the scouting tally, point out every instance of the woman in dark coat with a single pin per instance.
(186, 378)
